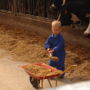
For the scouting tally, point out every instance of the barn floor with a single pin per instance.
(28, 46)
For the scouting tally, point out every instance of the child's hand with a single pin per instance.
(50, 50)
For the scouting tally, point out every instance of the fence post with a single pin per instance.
(14, 7)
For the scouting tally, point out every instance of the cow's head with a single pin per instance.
(65, 17)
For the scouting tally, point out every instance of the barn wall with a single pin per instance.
(42, 27)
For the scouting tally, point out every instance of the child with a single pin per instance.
(55, 45)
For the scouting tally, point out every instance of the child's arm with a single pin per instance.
(59, 46)
(47, 44)
(50, 50)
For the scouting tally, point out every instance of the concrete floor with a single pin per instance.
(13, 77)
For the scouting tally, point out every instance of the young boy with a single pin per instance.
(55, 46)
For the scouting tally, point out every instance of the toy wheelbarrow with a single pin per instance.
(40, 71)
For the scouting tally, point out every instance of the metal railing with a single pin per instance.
(32, 7)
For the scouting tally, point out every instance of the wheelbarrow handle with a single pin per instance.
(69, 68)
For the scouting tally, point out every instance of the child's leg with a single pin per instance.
(61, 66)
(52, 63)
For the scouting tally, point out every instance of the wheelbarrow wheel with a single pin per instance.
(35, 82)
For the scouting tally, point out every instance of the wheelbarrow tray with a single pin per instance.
(44, 66)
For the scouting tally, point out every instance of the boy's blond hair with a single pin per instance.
(56, 23)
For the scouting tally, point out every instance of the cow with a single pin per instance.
(87, 31)
(67, 8)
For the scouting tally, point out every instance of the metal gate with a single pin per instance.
(32, 7)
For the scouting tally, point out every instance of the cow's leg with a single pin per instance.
(87, 31)
(78, 7)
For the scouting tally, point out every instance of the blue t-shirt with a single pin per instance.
(57, 44)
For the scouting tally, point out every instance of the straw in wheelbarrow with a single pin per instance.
(44, 70)
(41, 71)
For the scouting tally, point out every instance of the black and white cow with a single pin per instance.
(87, 31)
(80, 8)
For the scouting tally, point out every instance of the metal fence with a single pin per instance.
(32, 7)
